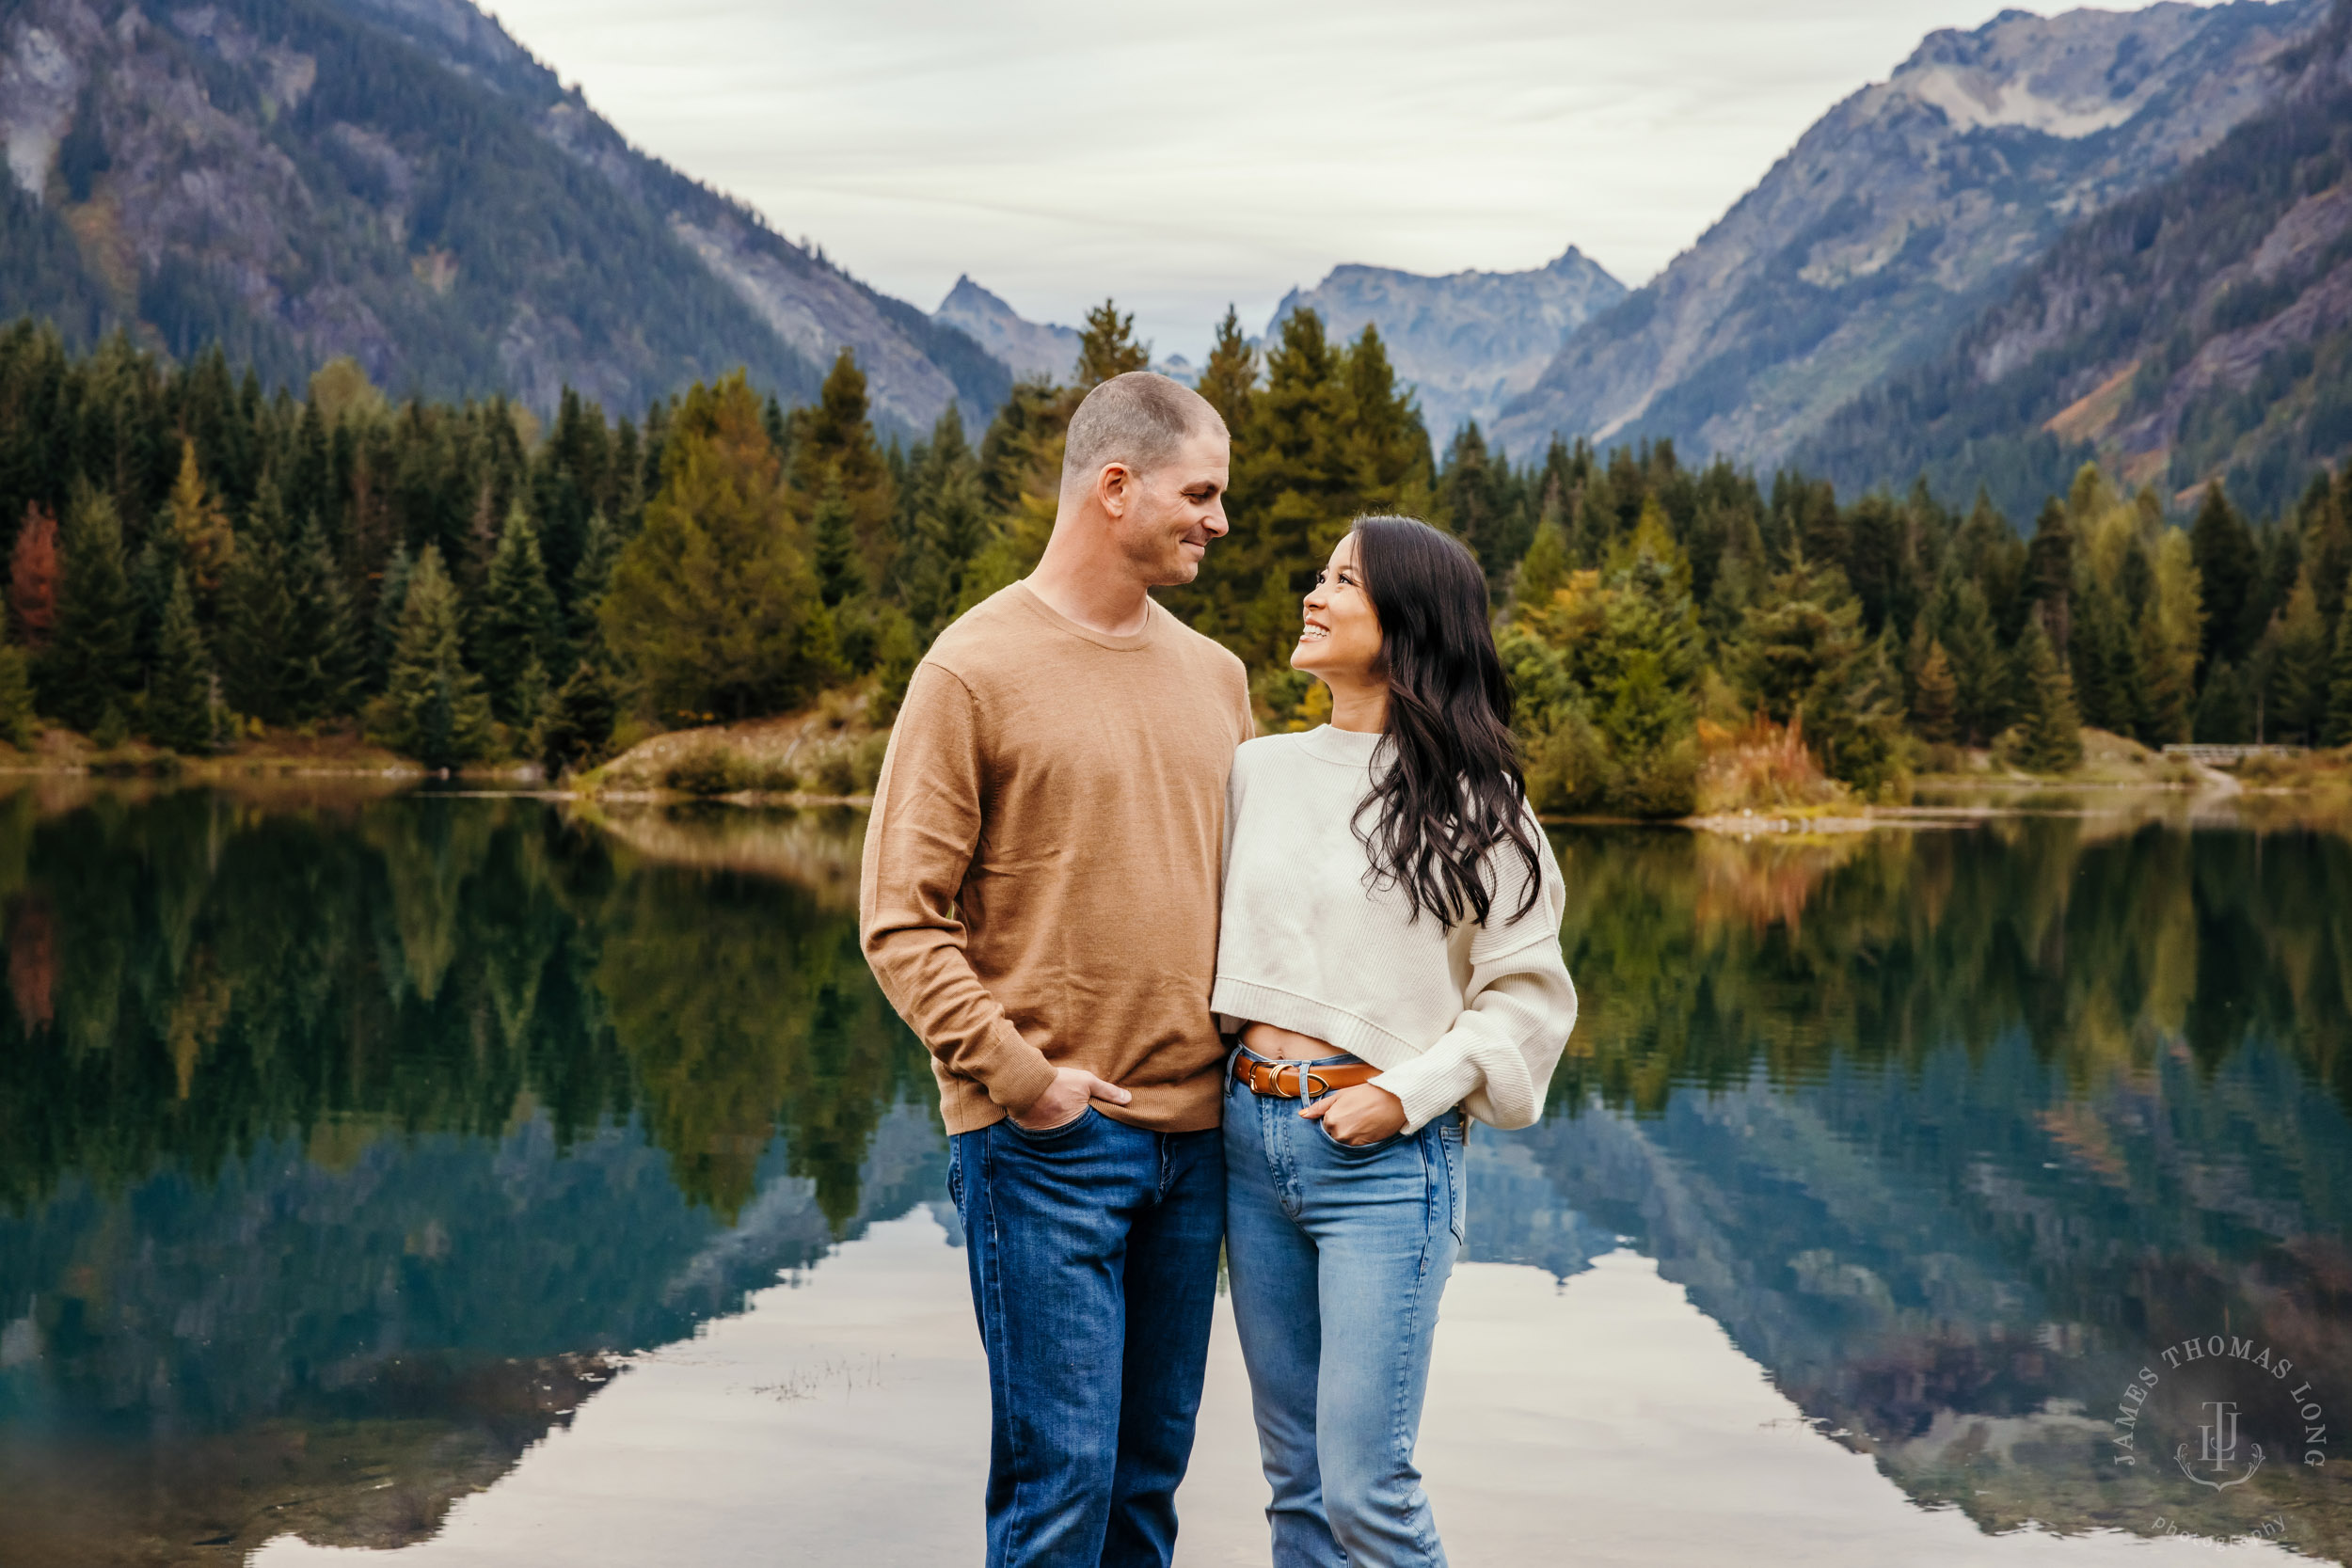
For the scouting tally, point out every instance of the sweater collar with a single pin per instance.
(1348, 747)
(1054, 618)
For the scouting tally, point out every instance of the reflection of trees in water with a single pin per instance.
(1698, 957)
(312, 1121)
(1950, 1130)
(192, 976)
(742, 1007)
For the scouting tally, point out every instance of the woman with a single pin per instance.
(1389, 954)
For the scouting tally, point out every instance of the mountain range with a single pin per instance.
(1469, 342)
(1900, 214)
(2098, 233)
(1028, 348)
(399, 181)
(2200, 329)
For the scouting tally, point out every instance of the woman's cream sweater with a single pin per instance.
(1470, 1014)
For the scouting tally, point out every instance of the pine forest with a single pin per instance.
(197, 562)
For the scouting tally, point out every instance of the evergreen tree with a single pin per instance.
(950, 530)
(2297, 708)
(17, 726)
(1107, 346)
(323, 653)
(198, 529)
(1980, 678)
(2225, 560)
(1802, 651)
(2225, 715)
(2102, 663)
(1290, 466)
(1384, 447)
(837, 572)
(1987, 553)
(1229, 377)
(112, 729)
(392, 600)
(258, 613)
(1934, 710)
(896, 654)
(713, 605)
(2165, 693)
(1877, 550)
(519, 625)
(180, 698)
(580, 725)
(2170, 635)
(833, 445)
(1545, 567)
(1471, 501)
(1625, 644)
(2339, 730)
(2050, 575)
(532, 705)
(590, 581)
(571, 480)
(33, 576)
(2052, 741)
(433, 707)
(91, 665)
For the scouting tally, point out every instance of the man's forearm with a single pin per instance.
(924, 972)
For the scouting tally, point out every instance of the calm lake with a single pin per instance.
(489, 1180)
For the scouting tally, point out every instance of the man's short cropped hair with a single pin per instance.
(1140, 418)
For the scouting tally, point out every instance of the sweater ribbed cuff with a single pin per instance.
(1016, 1073)
(1428, 1086)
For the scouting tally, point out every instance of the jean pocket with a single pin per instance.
(1049, 1134)
(955, 1173)
(1372, 1148)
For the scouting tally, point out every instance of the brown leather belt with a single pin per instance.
(1300, 1080)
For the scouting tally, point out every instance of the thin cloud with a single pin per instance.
(1182, 157)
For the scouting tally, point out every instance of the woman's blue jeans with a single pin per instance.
(1338, 1254)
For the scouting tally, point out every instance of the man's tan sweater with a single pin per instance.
(1039, 888)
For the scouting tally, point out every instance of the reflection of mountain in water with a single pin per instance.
(342, 1147)
(1959, 1138)
(437, 1302)
(384, 1127)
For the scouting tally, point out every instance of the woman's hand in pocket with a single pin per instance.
(1364, 1115)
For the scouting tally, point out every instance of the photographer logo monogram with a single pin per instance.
(2214, 1411)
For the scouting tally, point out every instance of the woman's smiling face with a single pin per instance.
(1340, 639)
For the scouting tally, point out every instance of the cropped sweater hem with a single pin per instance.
(1454, 1013)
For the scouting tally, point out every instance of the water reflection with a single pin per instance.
(1955, 1131)
(386, 1123)
(345, 1142)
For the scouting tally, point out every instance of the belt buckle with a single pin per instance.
(1306, 1076)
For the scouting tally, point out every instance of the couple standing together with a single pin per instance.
(1180, 991)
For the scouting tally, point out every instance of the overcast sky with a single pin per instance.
(1178, 157)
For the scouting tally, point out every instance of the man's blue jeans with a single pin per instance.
(1338, 1254)
(1092, 1249)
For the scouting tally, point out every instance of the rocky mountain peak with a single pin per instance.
(1469, 341)
(1874, 237)
(1029, 348)
(2069, 76)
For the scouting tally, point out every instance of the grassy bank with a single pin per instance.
(828, 755)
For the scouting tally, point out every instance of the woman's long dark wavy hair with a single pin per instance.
(1453, 791)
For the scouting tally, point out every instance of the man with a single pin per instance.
(1039, 900)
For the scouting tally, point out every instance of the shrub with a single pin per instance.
(709, 770)
(1760, 765)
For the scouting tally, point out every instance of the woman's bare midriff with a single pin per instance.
(1284, 1044)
